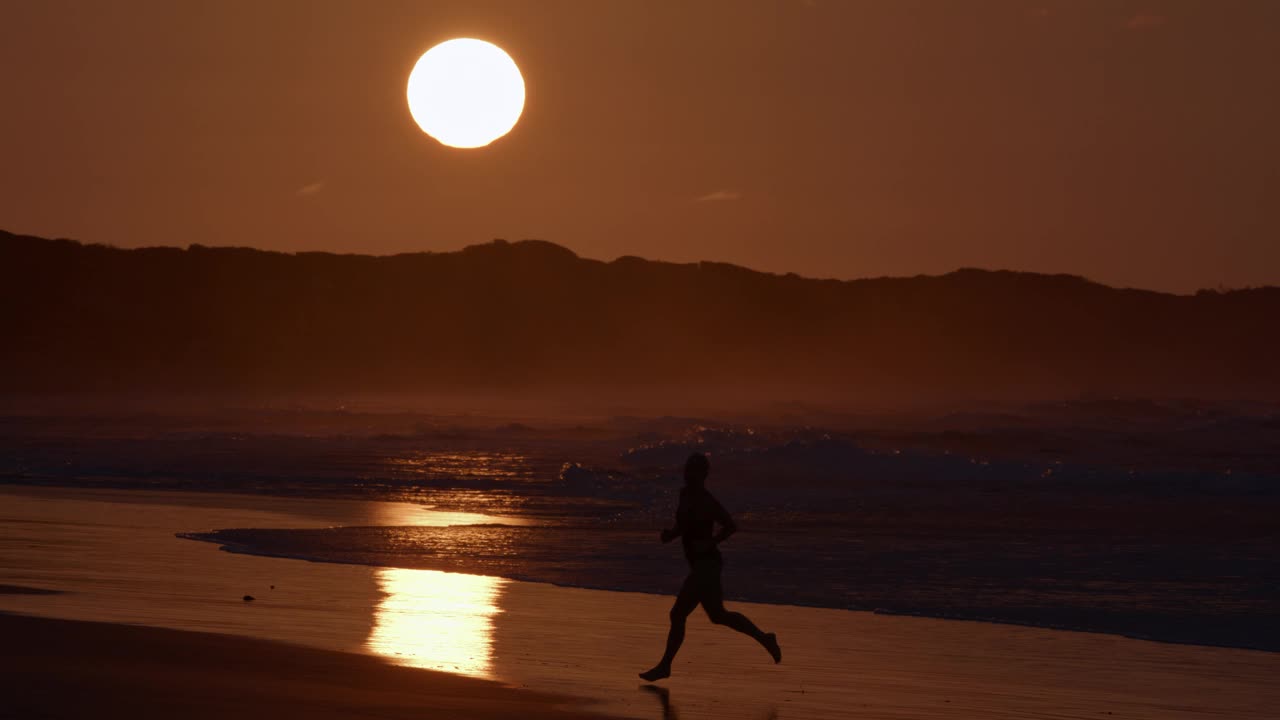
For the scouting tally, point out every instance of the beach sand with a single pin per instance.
(124, 565)
(69, 669)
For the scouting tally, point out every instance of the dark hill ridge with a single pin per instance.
(533, 315)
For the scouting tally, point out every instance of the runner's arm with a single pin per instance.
(676, 530)
(727, 525)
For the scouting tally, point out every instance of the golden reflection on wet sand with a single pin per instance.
(410, 515)
(436, 620)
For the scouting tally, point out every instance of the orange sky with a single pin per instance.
(1131, 142)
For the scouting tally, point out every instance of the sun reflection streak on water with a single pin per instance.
(504, 466)
(436, 620)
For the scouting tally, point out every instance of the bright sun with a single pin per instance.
(466, 93)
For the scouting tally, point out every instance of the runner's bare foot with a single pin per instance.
(657, 672)
(771, 644)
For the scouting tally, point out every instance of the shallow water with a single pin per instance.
(115, 557)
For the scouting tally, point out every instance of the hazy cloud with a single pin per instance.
(1144, 21)
(720, 195)
(311, 189)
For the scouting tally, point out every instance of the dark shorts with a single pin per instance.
(702, 586)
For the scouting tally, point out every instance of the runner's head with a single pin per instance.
(696, 469)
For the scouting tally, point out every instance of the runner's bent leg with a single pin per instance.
(713, 603)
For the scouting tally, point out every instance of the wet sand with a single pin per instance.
(69, 669)
(114, 558)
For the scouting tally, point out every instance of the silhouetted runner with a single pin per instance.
(696, 518)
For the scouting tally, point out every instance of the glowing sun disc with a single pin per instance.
(466, 93)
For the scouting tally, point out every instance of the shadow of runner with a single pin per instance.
(669, 711)
(664, 697)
